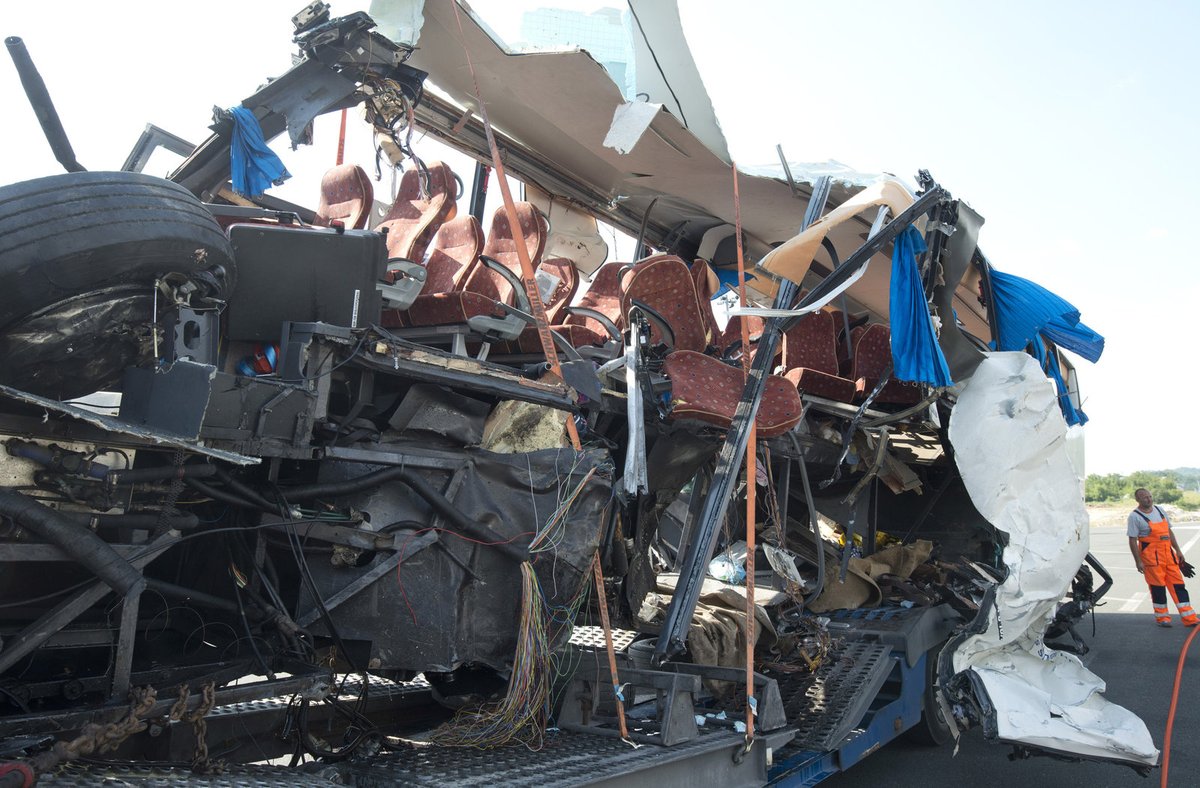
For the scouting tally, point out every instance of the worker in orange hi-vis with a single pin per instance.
(1159, 558)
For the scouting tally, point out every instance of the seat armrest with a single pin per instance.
(407, 280)
(599, 317)
(660, 322)
(519, 294)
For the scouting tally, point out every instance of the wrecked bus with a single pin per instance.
(395, 485)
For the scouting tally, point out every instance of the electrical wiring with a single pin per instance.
(522, 715)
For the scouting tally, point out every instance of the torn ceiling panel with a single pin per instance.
(562, 104)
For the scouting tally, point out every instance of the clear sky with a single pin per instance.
(1069, 125)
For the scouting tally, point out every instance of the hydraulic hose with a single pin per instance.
(76, 540)
(162, 473)
(430, 494)
(177, 522)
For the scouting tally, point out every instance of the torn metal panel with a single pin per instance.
(141, 434)
(458, 602)
(1010, 447)
(551, 109)
(630, 121)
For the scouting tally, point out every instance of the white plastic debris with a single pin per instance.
(1010, 446)
(730, 565)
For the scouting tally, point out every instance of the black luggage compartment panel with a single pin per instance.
(303, 274)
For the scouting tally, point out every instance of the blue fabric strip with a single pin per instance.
(253, 167)
(916, 354)
(1078, 338)
(1023, 308)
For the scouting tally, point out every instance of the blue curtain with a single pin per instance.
(1023, 308)
(1076, 338)
(253, 167)
(1027, 312)
(916, 354)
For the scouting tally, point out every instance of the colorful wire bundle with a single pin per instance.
(522, 715)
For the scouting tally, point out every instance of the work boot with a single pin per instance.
(1186, 614)
(1162, 615)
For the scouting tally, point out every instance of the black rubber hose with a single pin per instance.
(226, 497)
(247, 492)
(199, 597)
(163, 473)
(430, 494)
(43, 106)
(77, 541)
(178, 522)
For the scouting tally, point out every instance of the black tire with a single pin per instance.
(70, 234)
(933, 730)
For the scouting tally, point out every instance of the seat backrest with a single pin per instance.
(453, 255)
(603, 295)
(666, 286)
(502, 246)
(420, 208)
(872, 351)
(812, 344)
(346, 197)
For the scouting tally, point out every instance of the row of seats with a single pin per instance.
(812, 361)
(461, 287)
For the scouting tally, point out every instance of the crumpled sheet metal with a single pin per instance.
(1009, 439)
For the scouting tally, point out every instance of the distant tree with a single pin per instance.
(1099, 489)
(1164, 485)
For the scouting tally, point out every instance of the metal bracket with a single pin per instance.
(589, 705)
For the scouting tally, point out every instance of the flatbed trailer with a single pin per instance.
(870, 693)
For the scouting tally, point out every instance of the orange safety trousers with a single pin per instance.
(1162, 569)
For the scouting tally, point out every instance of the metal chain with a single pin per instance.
(100, 738)
(201, 763)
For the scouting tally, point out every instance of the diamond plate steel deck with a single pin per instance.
(568, 759)
(593, 637)
(87, 776)
(826, 705)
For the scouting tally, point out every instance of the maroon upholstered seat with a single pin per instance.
(346, 197)
(810, 358)
(453, 256)
(604, 296)
(665, 284)
(704, 388)
(481, 290)
(872, 360)
(420, 208)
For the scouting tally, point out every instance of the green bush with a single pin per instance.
(1190, 501)
(1114, 487)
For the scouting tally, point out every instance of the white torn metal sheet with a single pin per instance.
(630, 121)
(1010, 444)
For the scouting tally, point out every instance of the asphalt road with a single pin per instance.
(1137, 660)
